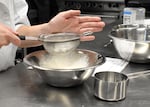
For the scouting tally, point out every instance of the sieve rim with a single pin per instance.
(59, 37)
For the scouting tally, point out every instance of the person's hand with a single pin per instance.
(7, 35)
(71, 21)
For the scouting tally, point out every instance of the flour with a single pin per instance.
(71, 60)
(61, 47)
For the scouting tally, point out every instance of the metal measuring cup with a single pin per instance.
(112, 86)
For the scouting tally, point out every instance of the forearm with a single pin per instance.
(29, 43)
(35, 30)
(32, 31)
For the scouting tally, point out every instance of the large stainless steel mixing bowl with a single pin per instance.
(132, 42)
(64, 77)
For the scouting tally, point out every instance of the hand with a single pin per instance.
(7, 35)
(71, 21)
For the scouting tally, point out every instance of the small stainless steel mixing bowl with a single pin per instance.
(64, 77)
(132, 42)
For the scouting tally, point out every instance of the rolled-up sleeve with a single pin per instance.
(21, 9)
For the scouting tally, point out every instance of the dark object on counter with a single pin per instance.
(64, 77)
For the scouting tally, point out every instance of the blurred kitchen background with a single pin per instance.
(41, 11)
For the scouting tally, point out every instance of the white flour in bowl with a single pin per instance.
(71, 60)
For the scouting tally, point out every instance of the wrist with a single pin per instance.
(46, 29)
(53, 27)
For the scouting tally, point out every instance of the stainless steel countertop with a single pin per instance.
(20, 87)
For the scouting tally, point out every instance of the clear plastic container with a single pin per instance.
(133, 15)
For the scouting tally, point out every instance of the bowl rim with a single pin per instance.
(114, 28)
(99, 56)
(124, 76)
(130, 40)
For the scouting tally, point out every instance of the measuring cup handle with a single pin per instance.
(138, 74)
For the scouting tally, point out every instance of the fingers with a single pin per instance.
(90, 29)
(83, 19)
(90, 23)
(4, 42)
(8, 29)
(14, 39)
(87, 38)
(70, 13)
(9, 37)
(87, 24)
(91, 26)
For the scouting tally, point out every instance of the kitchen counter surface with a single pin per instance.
(20, 87)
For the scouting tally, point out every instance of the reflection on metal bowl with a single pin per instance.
(64, 77)
(132, 42)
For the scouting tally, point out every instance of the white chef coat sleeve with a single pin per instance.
(21, 9)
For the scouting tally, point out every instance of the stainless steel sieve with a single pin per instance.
(60, 42)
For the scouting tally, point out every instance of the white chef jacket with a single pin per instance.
(13, 13)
